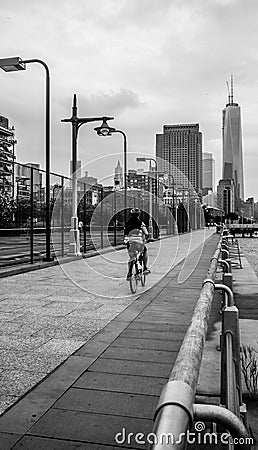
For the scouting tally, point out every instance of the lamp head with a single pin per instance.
(104, 129)
(141, 159)
(12, 64)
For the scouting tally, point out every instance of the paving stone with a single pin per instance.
(120, 383)
(38, 443)
(7, 441)
(157, 327)
(103, 402)
(150, 344)
(88, 427)
(132, 367)
(6, 401)
(135, 354)
(16, 382)
(24, 413)
(152, 334)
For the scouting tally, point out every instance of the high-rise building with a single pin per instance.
(226, 196)
(7, 156)
(180, 147)
(208, 173)
(232, 168)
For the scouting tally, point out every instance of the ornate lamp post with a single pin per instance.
(106, 130)
(77, 122)
(16, 64)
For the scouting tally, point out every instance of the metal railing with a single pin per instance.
(176, 410)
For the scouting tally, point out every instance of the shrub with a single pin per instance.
(249, 364)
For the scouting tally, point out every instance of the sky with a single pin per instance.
(147, 63)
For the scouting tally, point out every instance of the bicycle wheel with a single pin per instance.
(133, 280)
(143, 277)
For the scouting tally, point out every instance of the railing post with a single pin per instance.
(230, 324)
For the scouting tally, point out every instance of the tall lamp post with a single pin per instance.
(16, 64)
(77, 122)
(156, 187)
(106, 130)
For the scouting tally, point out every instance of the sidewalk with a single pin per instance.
(93, 395)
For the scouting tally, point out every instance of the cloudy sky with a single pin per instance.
(145, 62)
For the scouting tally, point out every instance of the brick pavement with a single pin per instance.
(113, 382)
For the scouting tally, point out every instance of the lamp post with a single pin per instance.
(16, 64)
(77, 122)
(106, 130)
(143, 159)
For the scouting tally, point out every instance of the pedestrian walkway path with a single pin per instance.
(46, 315)
(110, 386)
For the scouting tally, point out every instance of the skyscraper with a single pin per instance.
(208, 173)
(180, 146)
(232, 168)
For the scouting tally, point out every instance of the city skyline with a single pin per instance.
(157, 66)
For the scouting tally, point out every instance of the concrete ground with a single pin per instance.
(48, 314)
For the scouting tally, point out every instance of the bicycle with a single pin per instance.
(137, 273)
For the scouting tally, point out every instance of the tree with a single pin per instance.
(7, 210)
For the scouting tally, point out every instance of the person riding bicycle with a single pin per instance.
(135, 237)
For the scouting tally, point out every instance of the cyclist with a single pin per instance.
(136, 234)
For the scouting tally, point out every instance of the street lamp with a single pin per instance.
(16, 64)
(77, 122)
(106, 130)
(144, 159)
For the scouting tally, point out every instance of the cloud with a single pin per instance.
(114, 102)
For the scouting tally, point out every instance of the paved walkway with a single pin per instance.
(46, 315)
(112, 383)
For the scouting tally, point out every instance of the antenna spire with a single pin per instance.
(232, 87)
(228, 92)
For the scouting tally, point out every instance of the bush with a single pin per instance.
(249, 364)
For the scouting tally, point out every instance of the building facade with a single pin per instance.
(7, 156)
(208, 173)
(179, 150)
(226, 196)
